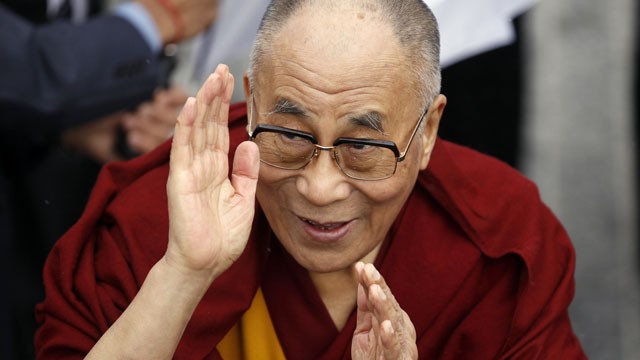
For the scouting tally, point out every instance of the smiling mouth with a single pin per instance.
(324, 226)
(329, 232)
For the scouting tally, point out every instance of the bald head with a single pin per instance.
(408, 25)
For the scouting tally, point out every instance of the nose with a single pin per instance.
(322, 182)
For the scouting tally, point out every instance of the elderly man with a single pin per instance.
(462, 259)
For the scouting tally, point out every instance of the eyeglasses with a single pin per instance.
(361, 159)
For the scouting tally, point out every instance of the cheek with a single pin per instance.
(389, 195)
(272, 178)
(273, 187)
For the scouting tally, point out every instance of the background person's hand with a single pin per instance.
(96, 139)
(210, 215)
(152, 123)
(383, 329)
(193, 16)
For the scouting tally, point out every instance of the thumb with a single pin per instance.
(246, 165)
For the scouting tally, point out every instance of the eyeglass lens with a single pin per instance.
(356, 160)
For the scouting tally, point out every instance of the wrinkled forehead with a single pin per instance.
(351, 50)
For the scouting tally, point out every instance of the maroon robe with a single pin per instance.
(479, 263)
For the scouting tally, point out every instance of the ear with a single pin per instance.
(247, 88)
(431, 129)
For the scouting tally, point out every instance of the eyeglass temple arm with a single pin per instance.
(250, 115)
(413, 134)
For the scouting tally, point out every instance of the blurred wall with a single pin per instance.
(579, 148)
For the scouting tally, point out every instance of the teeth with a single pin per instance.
(324, 227)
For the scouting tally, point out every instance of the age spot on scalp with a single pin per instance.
(360, 16)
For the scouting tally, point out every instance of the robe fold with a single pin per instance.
(481, 266)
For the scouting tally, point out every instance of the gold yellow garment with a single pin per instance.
(254, 337)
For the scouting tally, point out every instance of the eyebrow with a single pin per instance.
(286, 106)
(371, 120)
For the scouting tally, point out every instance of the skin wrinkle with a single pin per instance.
(286, 106)
(331, 90)
(298, 87)
(308, 64)
(381, 64)
(418, 39)
(367, 119)
(371, 119)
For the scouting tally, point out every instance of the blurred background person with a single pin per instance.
(66, 84)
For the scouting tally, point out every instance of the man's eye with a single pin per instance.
(361, 147)
(289, 137)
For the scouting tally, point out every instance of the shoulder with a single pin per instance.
(498, 208)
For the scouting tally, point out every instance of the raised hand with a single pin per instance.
(383, 329)
(153, 121)
(209, 215)
(96, 139)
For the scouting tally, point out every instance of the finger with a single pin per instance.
(246, 165)
(391, 345)
(215, 124)
(384, 314)
(180, 147)
(370, 275)
(384, 304)
(143, 142)
(130, 121)
(363, 313)
(223, 138)
(136, 122)
(384, 307)
(375, 326)
(175, 96)
(396, 331)
(109, 156)
(158, 125)
(204, 97)
(217, 127)
(359, 268)
(146, 109)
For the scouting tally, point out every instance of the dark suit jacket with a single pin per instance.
(58, 75)
(52, 77)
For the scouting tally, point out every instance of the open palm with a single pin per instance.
(210, 215)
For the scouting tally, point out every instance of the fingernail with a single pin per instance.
(359, 266)
(221, 67)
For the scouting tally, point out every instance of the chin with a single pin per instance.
(322, 261)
